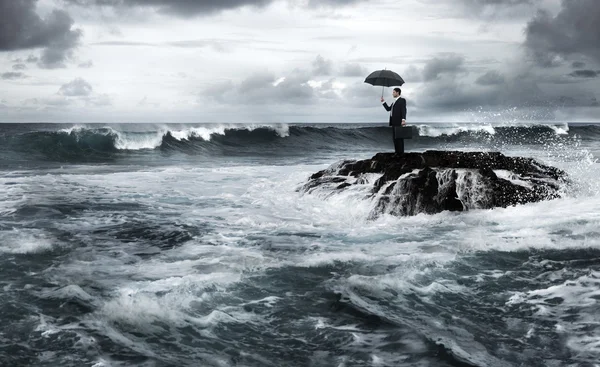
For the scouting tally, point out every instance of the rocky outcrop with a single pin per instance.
(434, 181)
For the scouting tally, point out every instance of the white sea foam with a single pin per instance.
(134, 140)
(25, 241)
(439, 130)
(580, 294)
(560, 129)
(249, 211)
(130, 141)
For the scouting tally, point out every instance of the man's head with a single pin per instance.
(396, 92)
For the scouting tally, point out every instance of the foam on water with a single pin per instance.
(161, 263)
(436, 131)
(24, 241)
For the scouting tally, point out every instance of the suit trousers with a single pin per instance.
(398, 142)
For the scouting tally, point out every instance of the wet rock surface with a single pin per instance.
(435, 181)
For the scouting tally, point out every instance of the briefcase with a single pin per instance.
(403, 132)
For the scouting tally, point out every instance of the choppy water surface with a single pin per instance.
(188, 245)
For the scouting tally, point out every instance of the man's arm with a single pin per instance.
(385, 105)
(404, 112)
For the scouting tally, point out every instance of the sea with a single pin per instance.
(194, 245)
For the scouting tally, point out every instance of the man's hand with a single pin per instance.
(382, 100)
(403, 122)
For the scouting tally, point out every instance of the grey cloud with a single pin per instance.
(575, 30)
(261, 88)
(499, 2)
(328, 3)
(220, 45)
(353, 70)
(182, 8)
(76, 88)
(322, 66)
(412, 74)
(489, 9)
(448, 87)
(56, 101)
(190, 8)
(218, 90)
(257, 82)
(32, 59)
(86, 65)
(578, 65)
(363, 95)
(19, 67)
(524, 89)
(584, 74)
(12, 75)
(490, 78)
(326, 90)
(22, 28)
(446, 64)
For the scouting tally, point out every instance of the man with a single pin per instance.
(397, 117)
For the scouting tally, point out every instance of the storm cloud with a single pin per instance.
(445, 64)
(265, 88)
(584, 74)
(490, 78)
(22, 28)
(573, 32)
(189, 8)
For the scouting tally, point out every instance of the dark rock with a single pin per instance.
(434, 181)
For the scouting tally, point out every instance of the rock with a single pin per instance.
(434, 181)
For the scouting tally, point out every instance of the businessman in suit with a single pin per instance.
(397, 117)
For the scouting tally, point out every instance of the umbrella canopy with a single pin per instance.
(385, 78)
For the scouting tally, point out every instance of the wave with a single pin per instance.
(89, 143)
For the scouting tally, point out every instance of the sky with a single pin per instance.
(285, 61)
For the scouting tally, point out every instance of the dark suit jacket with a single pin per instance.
(399, 112)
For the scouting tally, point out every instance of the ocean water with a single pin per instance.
(189, 245)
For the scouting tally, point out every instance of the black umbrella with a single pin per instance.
(385, 78)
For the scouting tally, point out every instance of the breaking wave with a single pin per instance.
(92, 142)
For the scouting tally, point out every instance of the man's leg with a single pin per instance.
(398, 142)
(399, 146)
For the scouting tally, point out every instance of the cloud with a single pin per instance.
(265, 89)
(22, 28)
(76, 88)
(578, 65)
(322, 66)
(32, 59)
(181, 8)
(490, 78)
(498, 2)
(445, 64)
(191, 8)
(363, 95)
(54, 101)
(13, 75)
(584, 73)
(19, 67)
(86, 65)
(574, 31)
(353, 70)
(487, 9)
